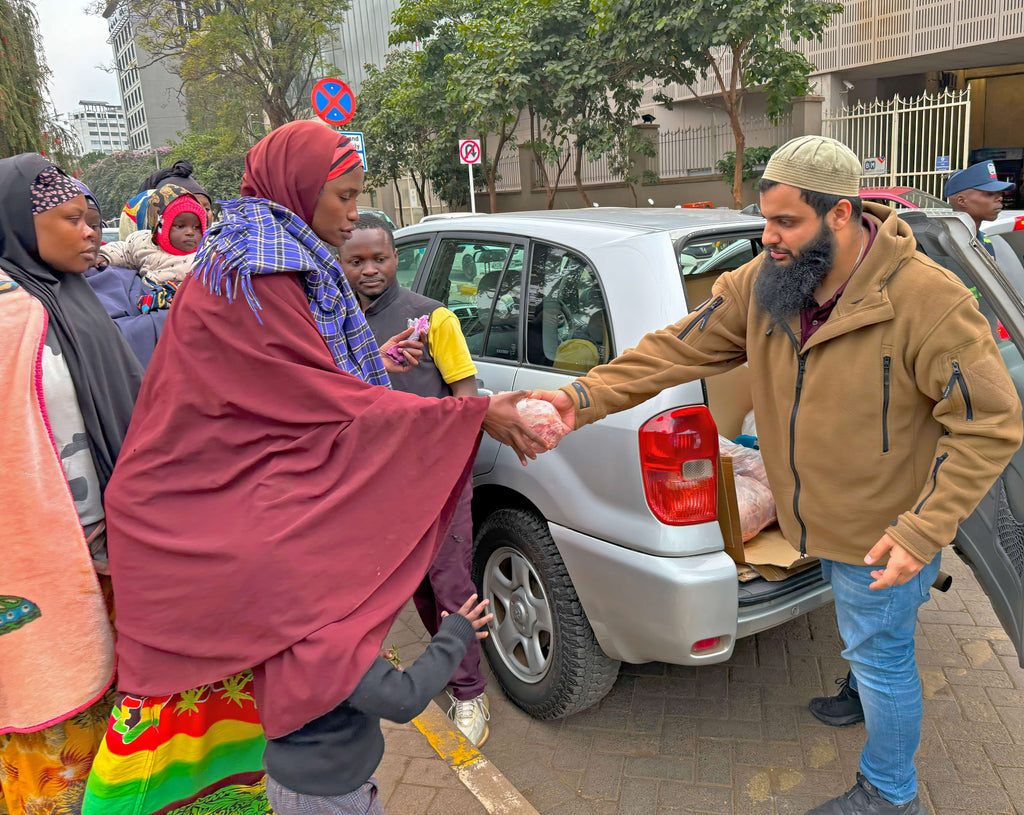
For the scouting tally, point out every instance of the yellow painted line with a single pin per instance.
(483, 779)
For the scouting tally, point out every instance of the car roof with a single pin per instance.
(865, 191)
(595, 225)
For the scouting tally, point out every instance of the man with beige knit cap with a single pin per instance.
(884, 414)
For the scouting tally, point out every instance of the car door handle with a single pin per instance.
(481, 390)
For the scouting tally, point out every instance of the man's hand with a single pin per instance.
(401, 346)
(562, 403)
(901, 566)
(504, 424)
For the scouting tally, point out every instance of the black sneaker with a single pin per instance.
(864, 799)
(840, 710)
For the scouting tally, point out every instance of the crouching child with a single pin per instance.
(326, 766)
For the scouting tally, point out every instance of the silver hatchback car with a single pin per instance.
(587, 562)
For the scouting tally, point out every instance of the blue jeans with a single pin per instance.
(878, 631)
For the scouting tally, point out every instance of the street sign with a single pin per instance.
(356, 137)
(333, 101)
(942, 164)
(469, 151)
(875, 166)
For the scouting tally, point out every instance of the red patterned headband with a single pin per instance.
(51, 189)
(345, 158)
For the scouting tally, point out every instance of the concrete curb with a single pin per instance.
(483, 779)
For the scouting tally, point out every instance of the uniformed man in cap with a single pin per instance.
(978, 192)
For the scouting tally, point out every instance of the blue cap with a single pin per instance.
(981, 176)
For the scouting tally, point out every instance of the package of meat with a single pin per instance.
(543, 419)
(420, 326)
(745, 461)
(756, 505)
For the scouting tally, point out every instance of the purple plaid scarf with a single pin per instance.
(256, 236)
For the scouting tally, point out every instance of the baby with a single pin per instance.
(164, 252)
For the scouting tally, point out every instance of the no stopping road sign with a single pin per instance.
(333, 101)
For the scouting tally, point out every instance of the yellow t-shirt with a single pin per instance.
(448, 346)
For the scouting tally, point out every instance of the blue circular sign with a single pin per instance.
(333, 101)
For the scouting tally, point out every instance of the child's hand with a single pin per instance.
(473, 613)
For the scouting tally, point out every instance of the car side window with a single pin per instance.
(460, 269)
(410, 256)
(567, 322)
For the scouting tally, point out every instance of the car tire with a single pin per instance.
(540, 645)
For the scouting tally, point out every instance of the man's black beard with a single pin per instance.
(783, 291)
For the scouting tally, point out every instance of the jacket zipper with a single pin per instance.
(701, 320)
(958, 379)
(792, 453)
(935, 474)
(886, 365)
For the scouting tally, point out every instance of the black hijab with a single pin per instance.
(105, 372)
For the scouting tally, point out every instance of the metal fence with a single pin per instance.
(509, 176)
(907, 142)
(695, 151)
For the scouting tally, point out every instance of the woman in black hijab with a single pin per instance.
(68, 383)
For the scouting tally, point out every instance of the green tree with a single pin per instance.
(219, 169)
(502, 58)
(256, 52)
(115, 178)
(743, 45)
(26, 124)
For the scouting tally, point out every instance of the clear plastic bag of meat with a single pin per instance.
(756, 504)
(543, 420)
(745, 461)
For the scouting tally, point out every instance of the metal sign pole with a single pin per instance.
(472, 192)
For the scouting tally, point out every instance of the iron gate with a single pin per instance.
(907, 142)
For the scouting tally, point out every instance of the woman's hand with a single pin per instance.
(504, 424)
(401, 346)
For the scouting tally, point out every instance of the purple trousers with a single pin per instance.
(447, 586)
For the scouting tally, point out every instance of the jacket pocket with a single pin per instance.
(886, 393)
(958, 380)
(934, 478)
(701, 320)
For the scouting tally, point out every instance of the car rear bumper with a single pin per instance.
(646, 608)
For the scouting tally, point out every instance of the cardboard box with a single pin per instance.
(769, 553)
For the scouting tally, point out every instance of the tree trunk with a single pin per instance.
(577, 174)
(420, 183)
(737, 175)
(398, 197)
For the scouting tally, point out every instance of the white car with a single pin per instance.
(585, 560)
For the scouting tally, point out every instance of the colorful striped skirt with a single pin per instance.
(199, 752)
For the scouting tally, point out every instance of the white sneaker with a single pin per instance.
(471, 717)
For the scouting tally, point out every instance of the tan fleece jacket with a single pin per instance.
(138, 252)
(896, 416)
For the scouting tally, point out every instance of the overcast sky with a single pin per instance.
(75, 44)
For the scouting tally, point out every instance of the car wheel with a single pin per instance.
(540, 645)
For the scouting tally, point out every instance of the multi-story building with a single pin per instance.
(153, 104)
(362, 38)
(99, 126)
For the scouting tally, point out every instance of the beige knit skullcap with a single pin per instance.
(816, 163)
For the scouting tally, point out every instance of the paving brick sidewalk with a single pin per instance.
(737, 738)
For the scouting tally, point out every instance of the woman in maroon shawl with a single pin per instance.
(272, 510)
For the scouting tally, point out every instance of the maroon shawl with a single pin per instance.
(269, 511)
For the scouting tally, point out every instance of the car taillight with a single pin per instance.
(1018, 223)
(679, 461)
(700, 646)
